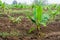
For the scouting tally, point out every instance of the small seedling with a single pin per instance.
(40, 18)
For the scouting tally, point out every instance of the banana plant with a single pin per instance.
(3, 7)
(0, 2)
(52, 13)
(39, 18)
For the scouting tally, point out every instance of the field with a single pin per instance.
(17, 22)
(19, 31)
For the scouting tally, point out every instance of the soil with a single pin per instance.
(51, 32)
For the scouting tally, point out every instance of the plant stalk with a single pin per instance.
(38, 29)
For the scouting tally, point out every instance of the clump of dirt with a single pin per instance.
(52, 36)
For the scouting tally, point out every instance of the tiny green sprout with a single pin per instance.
(31, 30)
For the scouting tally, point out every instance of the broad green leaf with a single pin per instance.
(38, 13)
(45, 18)
(32, 19)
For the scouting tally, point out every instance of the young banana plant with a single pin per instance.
(52, 14)
(38, 17)
(3, 7)
(0, 2)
